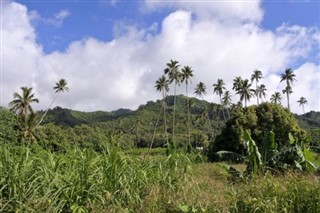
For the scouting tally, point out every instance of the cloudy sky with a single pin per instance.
(112, 52)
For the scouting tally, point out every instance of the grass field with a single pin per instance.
(36, 180)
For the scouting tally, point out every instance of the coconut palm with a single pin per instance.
(21, 104)
(288, 91)
(200, 90)
(245, 92)
(61, 86)
(226, 100)
(302, 101)
(218, 89)
(289, 77)
(186, 75)
(237, 82)
(174, 75)
(276, 98)
(256, 76)
(162, 85)
(261, 92)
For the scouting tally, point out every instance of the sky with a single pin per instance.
(112, 52)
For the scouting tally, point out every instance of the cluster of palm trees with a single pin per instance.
(242, 87)
(21, 104)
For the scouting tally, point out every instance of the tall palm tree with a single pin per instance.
(289, 77)
(174, 75)
(21, 104)
(200, 90)
(218, 88)
(288, 91)
(276, 98)
(245, 92)
(261, 92)
(186, 75)
(61, 86)
(256, 76)
(302, 101)
(162, 85)
(237, 82)
(226, 101)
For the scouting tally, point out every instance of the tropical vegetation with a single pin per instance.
(215, 157)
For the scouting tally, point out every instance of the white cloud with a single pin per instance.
(225, 11)
(108, 75)
(56, 20)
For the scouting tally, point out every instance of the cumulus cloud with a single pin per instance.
(106, 75)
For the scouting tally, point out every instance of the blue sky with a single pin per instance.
(112, 52)
(98, 18)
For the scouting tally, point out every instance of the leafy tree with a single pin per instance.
(187, 74)
(288, 76)
(218, 89)
(302, 101)
(276, 98)
(174, 75)
(259, 120)
(21, 104)
(162, 85)
(256, 76)
(61, 86)
(8, 127)
(261, 92)
(245, 91)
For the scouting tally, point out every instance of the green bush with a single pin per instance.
(259, 120)
(9, 131)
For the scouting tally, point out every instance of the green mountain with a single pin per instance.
(146, 124)
(309, 120)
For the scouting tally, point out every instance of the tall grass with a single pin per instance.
(33, 179)
(36, 180)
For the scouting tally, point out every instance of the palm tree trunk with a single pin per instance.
(256, 93)
(288, 100)
(188, 119)
(154, 134)
(164, 116)
(45, 113)
(224, 116)
(174, 117)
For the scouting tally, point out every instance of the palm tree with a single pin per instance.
(276, 98)
(186, 75)
(174, 75)
(162, 85)
(245, 92)
(289, 77)
(302, 101)
(200, 90)
(226, 100)
(287, 90)
(61, 86)
(261, 92)
(21, 104)
(218, 89)
(256, 76)
(237, 82)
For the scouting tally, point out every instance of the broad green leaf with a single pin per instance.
(291, 139)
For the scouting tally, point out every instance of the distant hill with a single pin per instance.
(309, 120)
(141, 126)
(71, 118)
